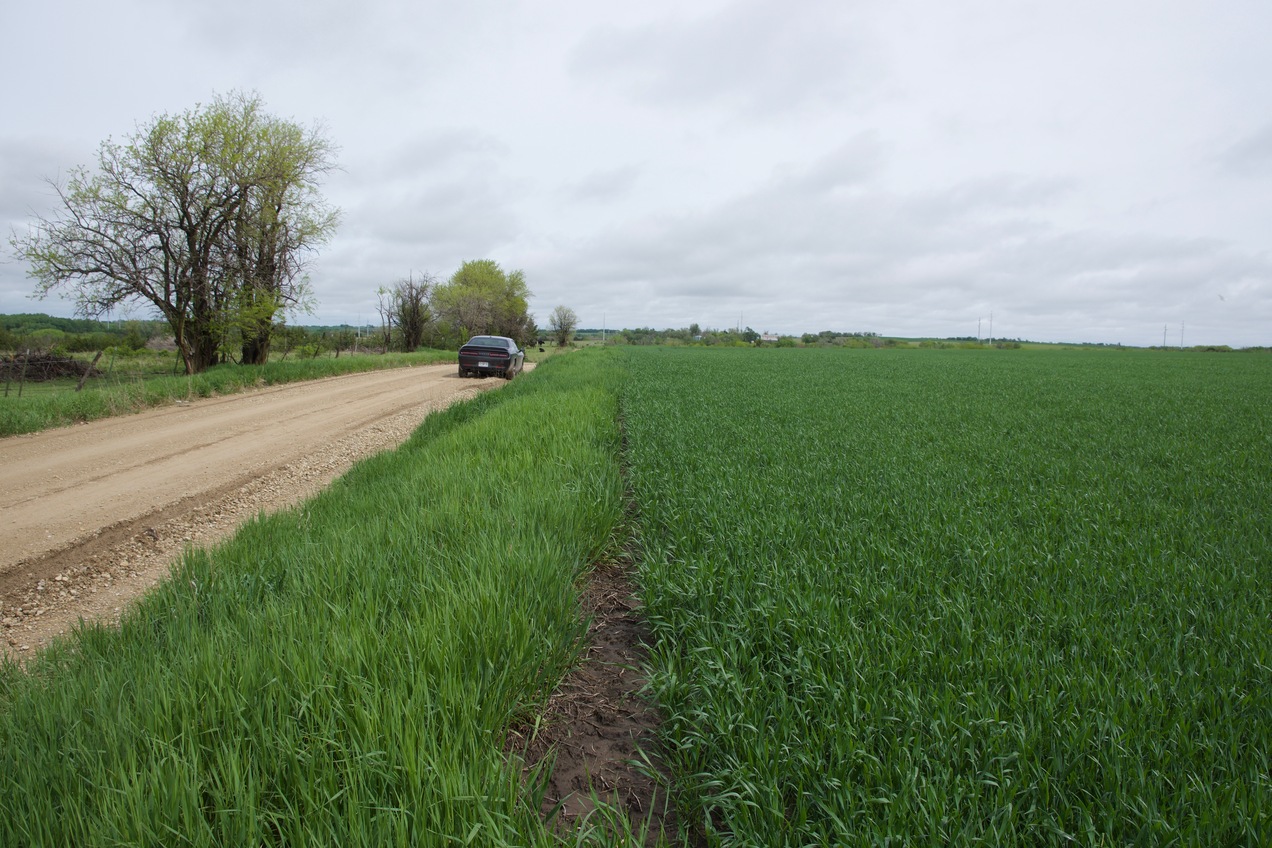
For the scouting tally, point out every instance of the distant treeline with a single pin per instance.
(733, 337)
(695, 335)
(42, 333)
(46, 333)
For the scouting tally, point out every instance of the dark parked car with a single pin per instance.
(497, 355)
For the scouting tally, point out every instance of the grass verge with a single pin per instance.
(40, 410)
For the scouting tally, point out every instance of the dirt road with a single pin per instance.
(92, 515)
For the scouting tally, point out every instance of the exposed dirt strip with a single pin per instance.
(600, 725)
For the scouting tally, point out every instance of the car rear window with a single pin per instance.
(488, 341)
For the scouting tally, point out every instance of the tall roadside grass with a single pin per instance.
(343, 673)
(950, 598)
(39, 411)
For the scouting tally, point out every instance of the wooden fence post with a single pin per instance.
(89, 369)
(22, 378)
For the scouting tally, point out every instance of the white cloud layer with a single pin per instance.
(1087, 171)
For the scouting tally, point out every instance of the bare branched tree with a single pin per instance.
(562, 322)
(384, 305)
(411, 310)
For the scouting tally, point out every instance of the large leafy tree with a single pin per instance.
(278, 227)
(208, 216)
(481, 298)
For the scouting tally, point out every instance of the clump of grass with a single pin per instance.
(342, 673)
(38, 411)
(948, 598)
(608, 823)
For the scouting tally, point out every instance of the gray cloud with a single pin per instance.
(24, 166)
(27, 166)
(759, 57)
(605, 186)
(937, 260)
(1250, 154)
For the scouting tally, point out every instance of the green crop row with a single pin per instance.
(343, 673)
(39, 410)
(939, 598)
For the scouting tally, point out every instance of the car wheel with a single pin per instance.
(510, 373)
(462, 372)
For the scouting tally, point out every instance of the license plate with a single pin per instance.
(483, 364)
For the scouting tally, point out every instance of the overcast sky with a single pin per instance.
(1092, 170)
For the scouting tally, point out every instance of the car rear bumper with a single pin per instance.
(484, 364)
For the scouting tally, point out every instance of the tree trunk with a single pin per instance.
(200, 353)
(256, 349)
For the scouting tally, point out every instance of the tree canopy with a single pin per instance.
(208, 216)
(480, 298)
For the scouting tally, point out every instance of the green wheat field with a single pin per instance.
(898, 597)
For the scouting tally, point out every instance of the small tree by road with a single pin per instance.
(562, 323)
(410, 308)
(384, 305)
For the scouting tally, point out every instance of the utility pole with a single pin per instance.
(1163, 336)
